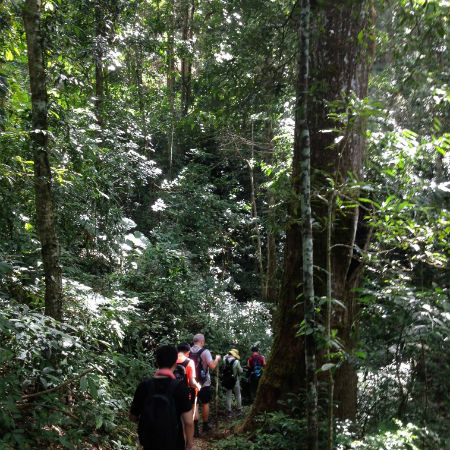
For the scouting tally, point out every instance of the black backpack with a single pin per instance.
(158, 424)
(180, 371)
(200, 373)
(228, 379)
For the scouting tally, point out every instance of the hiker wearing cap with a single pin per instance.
(203, 362)
(230, 379)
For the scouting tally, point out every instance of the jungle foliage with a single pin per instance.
(170, 140)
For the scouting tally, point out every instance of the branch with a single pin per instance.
(36, 394)
(54, 408)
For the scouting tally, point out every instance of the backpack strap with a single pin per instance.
(185, 362)
(199, 353)
(230, 361)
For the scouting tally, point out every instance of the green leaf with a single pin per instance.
(360, 37)
(5, 267)
(83, 383)
(98, 421)
(66, 443)
(93, 389)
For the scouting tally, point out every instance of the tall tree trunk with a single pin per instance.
(339, 64)
(330, 202)
(345, 61)
(42, 172)
(99, 79)
(170, 83)
(186, 64)
(302, 170)
(138, 69)
(270, 288)
(250, 164)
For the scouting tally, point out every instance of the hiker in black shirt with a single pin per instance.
(161, 428)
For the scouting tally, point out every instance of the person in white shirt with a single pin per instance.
(203, 362)
(231, 360)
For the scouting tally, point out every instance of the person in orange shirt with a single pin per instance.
(189, 366)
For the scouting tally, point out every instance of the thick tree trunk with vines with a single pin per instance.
(42, 173)
(339, 65)
(302, 170)
(345, 61)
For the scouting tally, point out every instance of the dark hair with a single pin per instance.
(255, 349)
(166, 356)
(184, 347)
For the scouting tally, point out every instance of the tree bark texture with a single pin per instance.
(186, 64)
(339, 64)
(302, 170)
(42, 173)
(270, 288)
(340, 67)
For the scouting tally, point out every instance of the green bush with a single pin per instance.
(395, 436)
(66, 384)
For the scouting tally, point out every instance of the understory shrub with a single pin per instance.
(391, 436)
(66, 384)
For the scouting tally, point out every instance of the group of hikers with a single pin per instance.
(166, 406)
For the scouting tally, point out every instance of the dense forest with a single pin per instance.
(270, 173)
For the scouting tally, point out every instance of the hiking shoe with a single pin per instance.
(196, 433)
(240, 411)
(207, 427)
(229, 414)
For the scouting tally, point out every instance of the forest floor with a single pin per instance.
(222, 428)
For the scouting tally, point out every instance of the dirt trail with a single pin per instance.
(221, 430)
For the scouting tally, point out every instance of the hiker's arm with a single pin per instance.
(193, 383)
(213, 364)
(188, 424)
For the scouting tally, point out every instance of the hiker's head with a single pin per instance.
(235, 353)
(166, 356)
(255, 349)
(183, 348)
(199, 339)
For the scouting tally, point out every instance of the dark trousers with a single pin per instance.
(253, 382)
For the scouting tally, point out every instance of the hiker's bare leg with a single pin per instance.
(205, 412)
(237, 395)
(197, 407)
